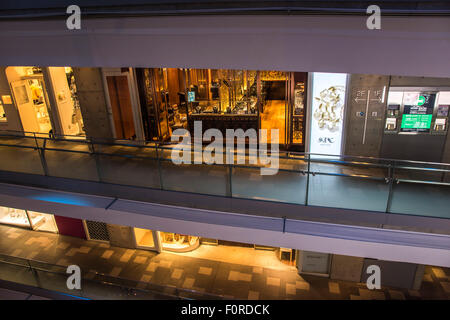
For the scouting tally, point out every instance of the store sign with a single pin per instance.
(327, 112)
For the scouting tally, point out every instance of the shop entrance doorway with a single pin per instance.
(29, 91)
(274, 103)
(123, 104)
(147, 239)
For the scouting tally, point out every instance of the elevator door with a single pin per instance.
(121, 107)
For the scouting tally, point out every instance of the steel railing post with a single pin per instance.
(391, 175)
(97, 160)
(307, 179)
(161, 185)
(41, 152)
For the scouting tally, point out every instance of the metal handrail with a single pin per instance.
(29, 264)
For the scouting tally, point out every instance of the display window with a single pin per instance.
(31, 98)
(28, 219)
(47, 100)
(15, 217)
(178, 242)
(145, 238)
(173, 98)
(42, 221)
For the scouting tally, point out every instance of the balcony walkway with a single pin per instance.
(355, 183)
(263, 278)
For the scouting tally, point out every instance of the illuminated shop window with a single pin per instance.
(28, 219)
(14, 217)
(42, 221)
(179, 242)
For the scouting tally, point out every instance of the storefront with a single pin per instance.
(223, 99)
(46, 100)
(416, 123)
(28, 219)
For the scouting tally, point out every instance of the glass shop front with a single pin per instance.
(46, 100)
(228, 250)
(173, 98)
(28, 219)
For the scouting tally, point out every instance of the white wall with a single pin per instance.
(415, 46)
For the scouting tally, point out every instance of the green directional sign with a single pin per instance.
(416, 121)
(421, 100)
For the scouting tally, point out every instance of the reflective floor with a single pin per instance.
(201, 271)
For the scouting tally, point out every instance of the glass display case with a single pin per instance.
(221, 91)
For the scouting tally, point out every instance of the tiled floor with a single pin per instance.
(216, 276)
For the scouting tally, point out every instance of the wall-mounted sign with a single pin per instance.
(328, 101)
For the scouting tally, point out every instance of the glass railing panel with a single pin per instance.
(421, 189)
(15, 140)
(410, 170)
(201, 178)
(195, 178)
(71, 164)
(129, 170)
(284, 186)
(126, 149)
(348, 185)
(16, 270)
(20, 159)
(71, 145)
(55, 281)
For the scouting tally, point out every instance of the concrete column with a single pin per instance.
(364, 123)
(346, 268)
(121, 236)
(94, 110)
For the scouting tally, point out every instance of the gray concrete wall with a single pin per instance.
(365, 115)
(93, 105)
(121, 236)
(400, 81)
(346, 268)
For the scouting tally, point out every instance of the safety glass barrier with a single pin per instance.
(15, 140)
(421, 189)
(70, 159)
(271, 184)
(128, 169)
(24, 159)
(358, 184)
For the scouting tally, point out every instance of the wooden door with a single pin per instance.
(119, 96)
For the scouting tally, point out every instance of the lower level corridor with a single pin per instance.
(247, 274)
